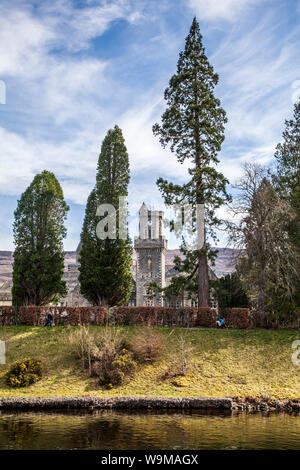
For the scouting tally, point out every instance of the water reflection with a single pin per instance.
(113, 430)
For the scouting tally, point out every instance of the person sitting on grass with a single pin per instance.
(220, 322)
(49, 319)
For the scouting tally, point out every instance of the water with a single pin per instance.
(115, 430)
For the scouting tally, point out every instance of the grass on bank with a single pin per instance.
(221, 363)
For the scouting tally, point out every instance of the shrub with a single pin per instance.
(238, 317)
(105, 357)
(147, 316)
(207, 317)
(121, 367)
(144, 316)
(185, 317)
(8, 315)
(182, 360)
(148, 345)
(33, 315)
(24, 372)
(112, 362)
(83, 346)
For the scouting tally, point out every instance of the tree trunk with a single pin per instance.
(203, 282)
(261, 294)
(102, 301)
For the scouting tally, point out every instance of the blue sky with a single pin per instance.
(74, 69)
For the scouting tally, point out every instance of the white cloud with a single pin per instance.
(24, 41)
(70, 96)
(73, 163)
(257, 88)
(79, 25)
(212, 10)
(27, 38)
(232, 167)
(69, 89)
(57, 87)
(144, 149)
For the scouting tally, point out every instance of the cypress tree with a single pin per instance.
(193, 125)
(105, 264)
(38, 236)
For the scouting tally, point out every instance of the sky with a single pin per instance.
(73, 69)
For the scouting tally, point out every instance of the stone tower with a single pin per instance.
(150, 247)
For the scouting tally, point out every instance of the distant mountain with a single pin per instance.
(6, 260)
(225, 262)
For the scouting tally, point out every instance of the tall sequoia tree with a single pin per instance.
(105, 274)
(38, 236)
(193, 126)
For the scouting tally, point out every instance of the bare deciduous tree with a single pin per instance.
(267, 258)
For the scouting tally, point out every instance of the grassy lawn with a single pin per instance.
(221, 363)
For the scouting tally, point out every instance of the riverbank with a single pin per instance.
(249, 404)
(221, 363)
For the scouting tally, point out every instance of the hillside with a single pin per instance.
(220, 363)
(6, 260)
(224, 262)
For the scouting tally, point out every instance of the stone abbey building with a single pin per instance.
(152, 261)
(150, 248)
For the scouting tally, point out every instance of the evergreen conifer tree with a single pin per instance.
(39, 231)
(193, 125)
(287, 179)
(230, 292)
(288, 156)
(105, 274)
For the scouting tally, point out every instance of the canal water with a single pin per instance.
(115, 430)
